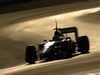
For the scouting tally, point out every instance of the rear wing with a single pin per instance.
(70, 30)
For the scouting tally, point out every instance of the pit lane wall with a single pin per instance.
(19, 6)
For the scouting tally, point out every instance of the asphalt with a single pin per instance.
(23, 28)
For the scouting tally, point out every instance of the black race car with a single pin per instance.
(59, 47)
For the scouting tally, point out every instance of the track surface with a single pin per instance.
(20, 29)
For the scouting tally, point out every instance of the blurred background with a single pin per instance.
(20, 20)
(19, 5)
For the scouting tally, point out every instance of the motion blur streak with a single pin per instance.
(77, 13)
(60, 16)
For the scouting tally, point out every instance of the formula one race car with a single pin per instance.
(60, 47)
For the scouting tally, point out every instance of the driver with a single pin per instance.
(58, 36)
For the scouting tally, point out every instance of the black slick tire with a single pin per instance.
(83, 44)
(30, 54)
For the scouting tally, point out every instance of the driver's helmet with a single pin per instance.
(56, 38)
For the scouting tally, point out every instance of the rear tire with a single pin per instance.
(83, 44)
(30, 55)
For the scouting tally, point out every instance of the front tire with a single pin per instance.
(30, 55)
(83, 44)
